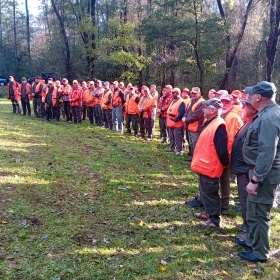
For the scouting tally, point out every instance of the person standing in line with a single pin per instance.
(75, 101)
(64, 91)
(194, 118)
(37, 93)
(154, 94)
(238, 165)
(210, 157)
(106, 105)
(98, 93)
(174, 122)
(117, 103)
(261, 152)
(25, 93)
(145, 108)
(163, 105)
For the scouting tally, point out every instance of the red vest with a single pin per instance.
(172, 113)
(205, 159)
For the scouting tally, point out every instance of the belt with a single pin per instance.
(252, 166)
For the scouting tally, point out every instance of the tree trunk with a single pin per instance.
(68, 65)
(1, 29)
(272, 42)
(28, 39)
(140, 52)
(230, 56)
(15, 38)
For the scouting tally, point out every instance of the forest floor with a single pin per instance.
(82, 202)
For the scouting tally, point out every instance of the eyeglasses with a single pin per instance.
(75, 83)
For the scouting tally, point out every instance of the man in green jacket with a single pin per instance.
(261, 151)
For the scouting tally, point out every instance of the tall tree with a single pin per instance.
(28, 39)
(232, 48)
(68, 64)
(271, 45)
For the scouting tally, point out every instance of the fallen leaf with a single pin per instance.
(3, 222)
(224, 272)
(142, 223)
(162, 268)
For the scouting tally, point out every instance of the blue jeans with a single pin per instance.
(117, 118)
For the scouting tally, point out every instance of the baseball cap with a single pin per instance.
(75, 82)
(214, 102)
(176, 90)
(226, 96)
(195, 90)
(186, 89)
(248, 100)
(38, 77)
(263, 88)
(222, 91)
(23, 79)
(236, 93)
(169, 86)
(115, 83)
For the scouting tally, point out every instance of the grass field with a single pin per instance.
(81, 202)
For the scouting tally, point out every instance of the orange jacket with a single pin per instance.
(131, 106)
(84, 98)
(116, 99)
(193, 126)
(233, 124)
(98, 97)
(16, 91)
(172, 113)
(28, 90)
(106, 101)
(147, 106)
(205, 159)
(54, 95)
(91, 102)
(75, 95)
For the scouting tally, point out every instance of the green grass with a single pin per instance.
(81, 202)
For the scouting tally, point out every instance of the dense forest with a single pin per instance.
(206, 43)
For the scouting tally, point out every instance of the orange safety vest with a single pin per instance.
(237, 109)
(172, 113)
(105, 100)
(233, 124)
(205, 159)
(116, 99)
(37, 88)
(28, 90)
(75, 94)
(194, 125)
(147, 107)
(187, 102)
(91, 101)
(16, 91)
(131, 107)
(54, 95)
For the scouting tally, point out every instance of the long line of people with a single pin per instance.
(216, 132)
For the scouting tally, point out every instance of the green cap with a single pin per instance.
(263, 88)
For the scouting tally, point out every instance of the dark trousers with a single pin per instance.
(84, 110)
(145, 125)
(76, 114)
(97, 114)
(176, 136)
(90, 110)
(225, 188)
(67, 110)
(192, 137)
(108, 118)
(37, 106)
(52, 112)
(132, 120)
(26, 105)
(209, 192)
(16, 106)
(163, 128)
(242, 182)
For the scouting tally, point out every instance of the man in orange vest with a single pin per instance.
(37, 93)
(90, 101)
(210, 157)
(75, 99)
(185, 94)
(64, 90)
(174, 122)
(25, 94)
(154, 94)
(51, 98)
(163, 105)
(13, 94)
(106, 105)
(131, 109)
(236, 94)
(84, 101)
(194, 118)
(98, 93)
(117, 103)
(233, 124)
(145, 108)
